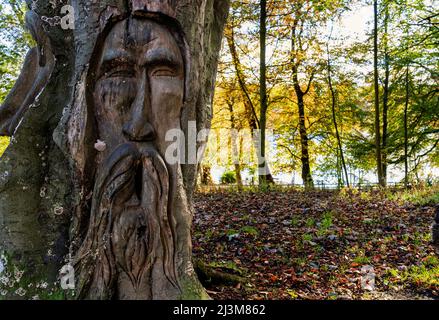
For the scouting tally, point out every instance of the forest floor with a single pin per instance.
(318, 245)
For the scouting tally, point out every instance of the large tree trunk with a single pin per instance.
(51, 174)
(36, 190)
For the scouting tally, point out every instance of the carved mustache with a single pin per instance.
(130, 229)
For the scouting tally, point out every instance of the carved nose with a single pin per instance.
(138, 128)
(136, 131)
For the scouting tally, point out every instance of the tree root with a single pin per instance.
(210, 276)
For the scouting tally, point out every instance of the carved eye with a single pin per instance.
(163, 72)
(120, 73)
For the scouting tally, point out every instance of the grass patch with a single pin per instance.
(362, 260)
(295, 222)
(421, 196)
(250, 230)
(293, 294)
(310, 222)
(325, 224)
(300, 262)
(424, 277)
(228, 266)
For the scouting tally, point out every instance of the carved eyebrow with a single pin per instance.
(116, 59)
(162, 56)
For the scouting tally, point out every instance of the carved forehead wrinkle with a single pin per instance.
(147, 41)
(114, 45)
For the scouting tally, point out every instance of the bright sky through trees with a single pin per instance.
(342, 32)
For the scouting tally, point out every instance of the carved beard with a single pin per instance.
(130, 232)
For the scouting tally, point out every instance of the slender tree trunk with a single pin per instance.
(300, 94)
(264, 173)
(377, 101)
(235, 150)
(340, 182)
(306, 166)
(250, 110)
(334, 118)
(386, 92)
(406, 107)
(205, 176)
(406, 139)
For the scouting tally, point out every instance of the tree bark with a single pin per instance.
(250, 110)
(377, 101)
(235, 150)
(35, 187)
(205, 176)
(264, 174)
(334, 118)
(46, 176)
(406, 136)
(306, 166)
(386, 93)
(300, 95)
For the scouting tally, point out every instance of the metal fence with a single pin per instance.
(318, 185)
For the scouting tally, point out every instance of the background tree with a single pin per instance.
(264, 176)
(377, 100)
(334, 114)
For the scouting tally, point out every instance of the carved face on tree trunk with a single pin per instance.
(123, 213)
(140, 84)
(137, 89)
